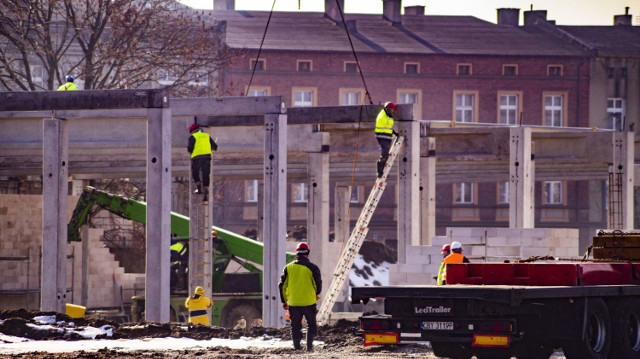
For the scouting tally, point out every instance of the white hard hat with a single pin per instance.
(456, 245)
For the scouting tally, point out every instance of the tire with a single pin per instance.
(450, 350)
(232, 315)
(625, 319)
(597, 342)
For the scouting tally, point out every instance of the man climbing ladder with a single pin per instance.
(200, 147)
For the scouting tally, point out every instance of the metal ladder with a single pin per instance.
(353, 244)
(200, 247)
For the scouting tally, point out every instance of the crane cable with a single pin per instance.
(264, 35)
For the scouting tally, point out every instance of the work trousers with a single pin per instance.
(385, 146)
(295, 315)
(201, 166)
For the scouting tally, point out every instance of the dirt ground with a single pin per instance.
(339, 340)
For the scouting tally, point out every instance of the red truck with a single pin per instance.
(590, 309)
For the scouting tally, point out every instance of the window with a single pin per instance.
(166, 77)
(553, 110)
(251, 190)
(355, 194)
(508, 108)
(259, 91)
(300, 194)
(411, 68)
(37, 75)
(350, 67)
(198, 78)
(554, 70)
(509, 70)
(552, 192)
(303, 97)
(351, 97)
(465, 106)
(503, 193)
(464, 69)
(463, 193)
(304, 65)
(615, 113)
(259, 66)
(414, 97)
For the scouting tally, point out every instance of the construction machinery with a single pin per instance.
(235, 294)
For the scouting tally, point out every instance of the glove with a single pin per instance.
(285, 306)
(214, 146)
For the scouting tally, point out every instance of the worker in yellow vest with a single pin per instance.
(69, 85)
(446, 250)
(384, 133)
(197, 304)
(455, 257)
(200, 146)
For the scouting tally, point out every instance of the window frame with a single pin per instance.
(263, 61)
(559, 185)
(464, 186)
(616, 123)
(406, 66)
(266, 89)
(460, 66)
(358, 193)
(298, 62)
(563, 108)
(417, 106)
(502, 193)
(295, 192)
(518, 106)
(355, 64)
(474, 106)
(314, 95)
(346, 90)
(555, 66)
(251, 191)
(515, 69)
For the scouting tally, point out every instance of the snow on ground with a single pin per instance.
(365, 274)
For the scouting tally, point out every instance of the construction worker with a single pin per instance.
(384, 133)
(200, 146)
(446, 250)
(197, 304)
(300, 287)
(69, 85)
(179, 264)
(455, 257)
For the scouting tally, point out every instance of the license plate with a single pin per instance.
(436, 325)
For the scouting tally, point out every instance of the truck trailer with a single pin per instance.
(589, 308)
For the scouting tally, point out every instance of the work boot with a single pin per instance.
(309, 342)
(380, 169)
(296, 345)
(206, 194)
(198, 188)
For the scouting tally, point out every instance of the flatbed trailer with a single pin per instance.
(526, 310)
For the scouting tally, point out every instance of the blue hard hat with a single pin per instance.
(69, 78)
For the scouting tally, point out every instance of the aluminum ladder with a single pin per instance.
(352, 247)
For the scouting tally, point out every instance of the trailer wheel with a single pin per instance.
(450, 350)
(625, 318)
(597, 341)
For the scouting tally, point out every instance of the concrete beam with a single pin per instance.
(80, 100)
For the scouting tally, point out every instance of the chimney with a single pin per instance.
(391, 10)
(332, 11)
(414, 10)
(224, 4)
(531, 16)
(623, 19)
(508, 17)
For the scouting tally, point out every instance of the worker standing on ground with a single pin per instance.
(69, 85)
(300, 287)
(179, 263)
(197, 304)
(384, 133)
(455, 257)
(200, 147)
(446, 250)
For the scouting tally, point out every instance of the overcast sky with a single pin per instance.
(565, 12)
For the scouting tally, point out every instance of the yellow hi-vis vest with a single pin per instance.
(69, 86)
(203, 144)
(384, 123)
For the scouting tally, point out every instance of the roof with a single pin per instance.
(371, 33)
(608, 41)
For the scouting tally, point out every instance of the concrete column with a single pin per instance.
(428, 193)
(275, 216)
(158, 214)
(341, 221)
(260, 204)
(623, 163)
(408, 188)
(521, 179)
(55, 144)
(318, 213)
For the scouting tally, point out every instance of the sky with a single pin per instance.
(564, 12)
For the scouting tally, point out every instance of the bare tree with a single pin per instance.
(111, 44)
